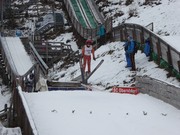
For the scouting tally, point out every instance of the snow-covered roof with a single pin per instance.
(101, 113)
(17, 56)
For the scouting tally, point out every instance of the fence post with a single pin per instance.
(169, 60)
(158, 51)
(25, 121)
(125, 32)
(121, 34)
(6, 111)
(83, 31)
(151, 46)
(46, 52)
(113, 35)
(142, 35)
(134, 33)
(14, 104)
(179, 65)
(16, 109)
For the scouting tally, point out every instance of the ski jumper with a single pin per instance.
(86, 53)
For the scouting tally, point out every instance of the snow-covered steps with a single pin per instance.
(53, 86)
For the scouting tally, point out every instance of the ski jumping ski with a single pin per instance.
(83, 75)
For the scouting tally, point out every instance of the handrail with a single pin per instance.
(42, 64)
(51, 24)
(27, 116)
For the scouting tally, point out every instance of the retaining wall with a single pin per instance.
(159, 89)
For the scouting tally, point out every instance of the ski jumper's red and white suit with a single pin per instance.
(87, 50)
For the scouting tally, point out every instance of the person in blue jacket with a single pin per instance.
(18, 33)
(129, 53)
(101, 33)
(147, 47)
(102, 30)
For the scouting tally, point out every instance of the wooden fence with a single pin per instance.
(159, 89)
(21, 114)
(164, 51)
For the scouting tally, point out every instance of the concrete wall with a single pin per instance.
(158, 89)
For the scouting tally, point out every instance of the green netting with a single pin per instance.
(154, 57)
(78, 13)
(89, 14)
(141, 47)
(164, 64)
(176, 73)
(87, 11)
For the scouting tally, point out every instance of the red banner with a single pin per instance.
(128, 90)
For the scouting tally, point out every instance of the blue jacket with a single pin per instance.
(101, 31)
(147, 48)
(130, 48)
(18, 33)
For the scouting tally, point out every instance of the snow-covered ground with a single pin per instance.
(9, 131)
(164, 16)
(101, 112)
(113, 72)
(95, 113)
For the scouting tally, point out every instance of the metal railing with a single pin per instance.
(39, 60)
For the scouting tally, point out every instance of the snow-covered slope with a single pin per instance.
(113, 72)
(101, 113)
(162, 13)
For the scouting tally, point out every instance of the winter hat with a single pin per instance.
(89, 41)
(129, 37)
